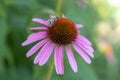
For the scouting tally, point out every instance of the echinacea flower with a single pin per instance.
(55, 35)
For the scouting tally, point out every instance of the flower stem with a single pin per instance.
(58, 7)
(58, 12)
(48, 77)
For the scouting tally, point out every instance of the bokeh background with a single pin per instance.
(101, 20)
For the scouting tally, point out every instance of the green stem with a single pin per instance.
(58, 12)
(48, 77)
(58, 7)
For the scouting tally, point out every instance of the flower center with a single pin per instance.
(63, 31)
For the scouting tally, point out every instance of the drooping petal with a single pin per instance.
(36, 47)
(58, 59)
(79, 26)
(83, 39)
(41, 52)
(45, 56)
(34, 37)
(71, 59)
(41, 21)
(87, 48)
(37, 34)
(81, 53)
(38, 28)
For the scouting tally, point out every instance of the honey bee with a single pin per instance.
(52, 20)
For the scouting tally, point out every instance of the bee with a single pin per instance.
(52, 20)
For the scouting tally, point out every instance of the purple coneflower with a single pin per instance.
(55, 35)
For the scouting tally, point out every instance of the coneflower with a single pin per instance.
(55, 35)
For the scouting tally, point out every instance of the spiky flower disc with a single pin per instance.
(62, 32)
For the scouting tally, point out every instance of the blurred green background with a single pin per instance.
(101, 20)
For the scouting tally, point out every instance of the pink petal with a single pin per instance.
(45, 56)
(36, 47)
(58, 58)
(34, 37)
(81, 53)
(41, 52)
(37, 34)
(63, 16)
(71, 59)
(38, 28)
(41, 21)
(87, 48)
(83, 39)
(79, 26)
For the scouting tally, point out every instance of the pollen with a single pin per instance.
(62, 32)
